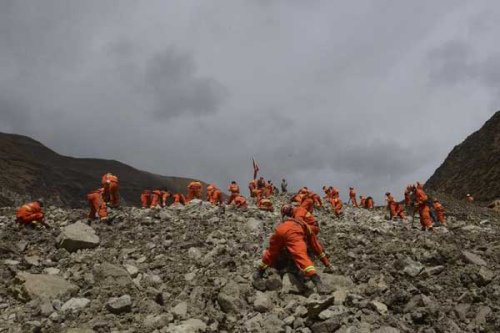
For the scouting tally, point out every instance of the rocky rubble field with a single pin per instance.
(189, 269)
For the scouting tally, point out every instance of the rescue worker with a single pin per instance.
(352, 197)
(369, 203)
(317, 200)
(146, 198)
(470, 198)
(439, 209)
(216, 197)
(164, 196)
(195, 190)
(408, 192)
(400, 211)
(391, 205)
(270, 188)
(110, 185)
(155, 199)
(97, 205)
(284, 186)
(422, 207)
(31, 214)
(178, 199)
(300, 213)
(210, 190)
(328, 192)
(234, 189)
(240, 202)
(307, 202)
(292, 235)
(265, 204)
(337, 205)
(252, 187)
(334, 192)
(362, 201)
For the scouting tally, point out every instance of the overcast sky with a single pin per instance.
(370, 94)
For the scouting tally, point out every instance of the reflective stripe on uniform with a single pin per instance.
(322, 255)
(309, 268)
(262, 265)
(28, 208)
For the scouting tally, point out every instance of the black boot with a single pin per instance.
(320, 287)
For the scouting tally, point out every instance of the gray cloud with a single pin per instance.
(361, 93)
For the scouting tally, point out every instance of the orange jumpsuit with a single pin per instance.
(317, 200)
(164, 196)
(337, 205)
(110, 184)
(391, 206)
(270, 188)
(470, 198)
(194, 191)
(155, 199)
(438, 207)
(145, 198)
(29, 214)
(308, 204)
(179, 199)
(265, 204)
(97, 204)
(297, 198)
(408, 196)
(210, 190)
(252, 186)
(234, 189)
(352, 197)
(362, 202)
(216, 197)
(335, 193)
(328, 193)
(300, 213)
(400, 211)
(369, 203)
(421, 206)
(240, 202)
(294, 236)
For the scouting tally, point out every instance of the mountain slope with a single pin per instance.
(473, 166)
(32, 170)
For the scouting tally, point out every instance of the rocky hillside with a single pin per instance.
(30, 170)
(473, 166)
(188, 269)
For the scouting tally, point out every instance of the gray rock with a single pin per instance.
(31, 286)
(340, 297)
(409, 267)
(254, 225)
(180, 310)
(32, 260)
(316, 304)
(262, 302)
(79, 330)
(254, 324)
(482, 315)
(159, 321)
(107, 274)
(387, 329)
(119, 305)
(46, 308)
(473, 259)
(78, 236)
(430, 271)
(52, 271)
(461, 310)
(274, 282)
(189, 326)
(229, 298)
(75, 304)
(291, 285)
(327, 326)
(132, 270)
(337, 282)
(381, 308)
(272, 324)
(194, 253)
(485, 276)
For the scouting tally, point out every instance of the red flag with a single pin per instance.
(255, 169)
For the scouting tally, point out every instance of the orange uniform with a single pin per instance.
(470, 198)
(352, 197)
(164, 196)
(240, 202)
(308, 203)
(194, 191)
(252, 187)
(421, 205)
(97, 204)
(234, 189)
(155, 199)
(408, 196)
(300, 213)
(391, 205)
(362, 201)
(178, 199)
(317, 200)
(335, 193)
(216, 197)
(210, 190)
(328, 192)
(110, 185)
(337, 205)
(369, 203)
(265, 204)
(294, 236)
(145, 198)
(30, 213)
(400, 211)
(438, 207)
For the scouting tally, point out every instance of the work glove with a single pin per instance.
(258, 274)
(320, 287)
(329, 269)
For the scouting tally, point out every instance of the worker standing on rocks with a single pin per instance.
(422, 207)
(307, 201)
(240, 203)
(328, 192)
(270, 188)
(316, 199)
(155, 199)
(31, 214)
(352, 197)
(210, 190)
(400, 211)
(408, 192)
(111, 193)
(337, 205)
(179, 198)
(439, 209)
(216, 197)
(284, 186)
(195, 190)
(164, 196)
(362, 201)
(97, 205)
(252, 187)
(234, 189)
(370, 205)
(146, 198)
(294, 236)
(391, 205)
(265, 204)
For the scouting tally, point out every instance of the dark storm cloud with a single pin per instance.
(371, 94)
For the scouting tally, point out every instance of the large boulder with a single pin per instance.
(77, 236)
(32, 286)
(110, 275)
